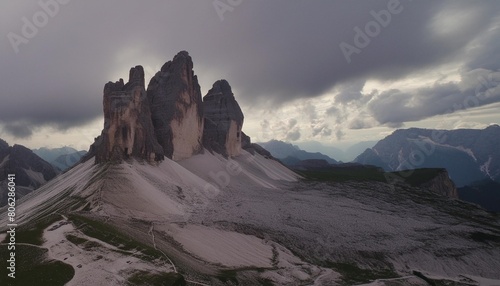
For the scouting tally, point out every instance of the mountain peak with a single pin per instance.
(136, 76)
(3, 145)
(223, 120)
(128, 130)
(177, 108)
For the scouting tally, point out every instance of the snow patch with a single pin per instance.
(485, 168)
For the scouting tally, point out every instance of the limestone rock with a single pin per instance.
(223, 120)
(176, 108)
(442, 184)
(128, 129)
(3, 145)
(252, 148)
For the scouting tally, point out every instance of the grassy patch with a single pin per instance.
(82, 242)
(140, 278)
(230, 275)
(275, 258)
(352, 274)
(418, 177)
(344, 174)
(33, 268)
(484, 237)
(33, 234)
(266, 282)
(76, 239)
(113, 236)
(441, 282)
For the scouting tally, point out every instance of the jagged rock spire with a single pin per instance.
(223, 120)
(167, 119)
(176, 107)
(128, 129)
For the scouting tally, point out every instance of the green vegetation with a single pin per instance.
(352, 274)
(442, 282)
(485, 237)
(33, 233)
(344, 174)
(356, 173)
(266, 282)
(34, 268)
(76, 239)
(417, 177)
(230, 275)
(140, 278)
(82, 242)
(113, 236)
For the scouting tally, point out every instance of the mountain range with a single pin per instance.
(469, 155)
(30, 170)
(290, 154)
(62, 158)
(173, 192)
(345, 154)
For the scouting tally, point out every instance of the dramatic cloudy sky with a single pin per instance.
(301, 70)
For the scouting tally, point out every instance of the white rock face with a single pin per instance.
(177, 109)
(186, 132)
(233, 139)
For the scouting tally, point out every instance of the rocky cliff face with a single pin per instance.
(442, 184)
(176, 108)
(469, 155)
(169, 118)
(31, 171)
(128, 129)
(252, 148)
(223, 120)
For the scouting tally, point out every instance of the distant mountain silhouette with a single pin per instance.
(345, 155)
(484, 193)
(469, 155)
(62, 158)
(30, 170)
(290, 154)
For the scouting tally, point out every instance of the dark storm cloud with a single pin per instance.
(476, 88)
(350, 92)
(18, 130)
(293, 135)
(270, 51)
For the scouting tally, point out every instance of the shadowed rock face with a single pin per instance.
(128, 130)
(169, 118)
(223, 120)
(30, 170)
(176, 108)
(442, 184)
